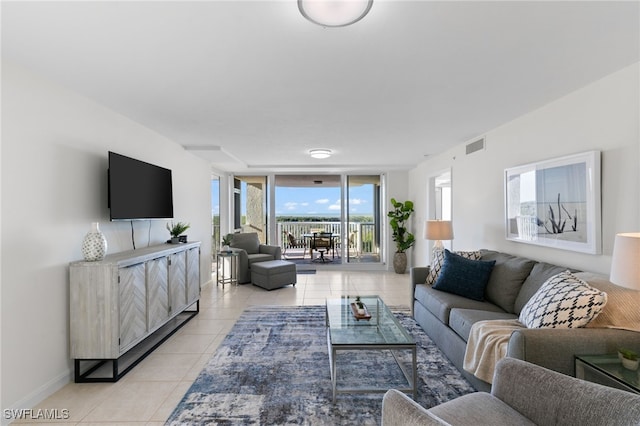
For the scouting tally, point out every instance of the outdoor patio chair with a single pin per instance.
(291, 242)
(321, 242)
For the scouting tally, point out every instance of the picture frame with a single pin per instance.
(555, 203)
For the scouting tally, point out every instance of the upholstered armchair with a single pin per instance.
(249, 250)
(522, 394)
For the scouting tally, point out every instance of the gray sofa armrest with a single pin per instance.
(243, 265)
(275, 251)
(418, 274)
(556, 348)
(399, 410)
(546, 397)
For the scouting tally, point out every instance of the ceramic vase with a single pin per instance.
(94, 245)
(400, 263)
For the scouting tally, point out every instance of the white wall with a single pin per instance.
(603, 116)
(54, 163)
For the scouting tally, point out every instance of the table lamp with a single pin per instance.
(625, 264)
(438, 230)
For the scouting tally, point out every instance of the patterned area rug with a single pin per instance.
(273, 369)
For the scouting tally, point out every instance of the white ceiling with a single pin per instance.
(254, 85)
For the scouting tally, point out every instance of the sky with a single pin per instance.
(311, 201)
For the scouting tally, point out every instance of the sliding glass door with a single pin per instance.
(347, 206)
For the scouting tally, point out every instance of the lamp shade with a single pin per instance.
(625, 264)
(438, 230)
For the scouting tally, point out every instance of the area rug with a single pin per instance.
(273, 369)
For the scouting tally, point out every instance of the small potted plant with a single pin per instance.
(629, 358)
(360, 306)
(176, 230)
(226, 242)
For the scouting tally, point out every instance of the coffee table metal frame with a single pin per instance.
(381, 332)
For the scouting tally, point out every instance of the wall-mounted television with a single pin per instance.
(138, 190)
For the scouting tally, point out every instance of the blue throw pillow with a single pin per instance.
(464, 277)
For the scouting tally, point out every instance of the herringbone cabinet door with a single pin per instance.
(177, 282)
(157, 292)
(133, 301)
(193, 275)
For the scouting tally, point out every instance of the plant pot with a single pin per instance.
(630, 364)
(175, 240)
(400, 262)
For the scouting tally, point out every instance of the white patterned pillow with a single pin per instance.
(438, 261)
(563, 301)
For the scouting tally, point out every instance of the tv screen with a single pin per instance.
(138, 190)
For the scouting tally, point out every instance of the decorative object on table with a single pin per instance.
(555, 203)
(226, 241)
(404, 239)
(94, 245)
(359, 310)
(176, 231)
(628, 358)
(438, 230)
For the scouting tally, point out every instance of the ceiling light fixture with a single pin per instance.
(334, 13)
(320, 153)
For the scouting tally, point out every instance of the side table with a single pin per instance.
(223, 277)
(607, 370)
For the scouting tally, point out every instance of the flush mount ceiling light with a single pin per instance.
(320, 153)
(334, 13)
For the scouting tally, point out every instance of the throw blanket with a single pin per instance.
(487, 345)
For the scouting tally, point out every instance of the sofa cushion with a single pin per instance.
(539, 274)
(461, 320)
(564, 301)
(249, 242)
(506, 278)
(438, 261)
(440, 303)
(621, 310)
(464, 277)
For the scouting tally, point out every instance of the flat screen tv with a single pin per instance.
(138, 190)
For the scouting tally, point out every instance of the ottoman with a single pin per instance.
(273, 274)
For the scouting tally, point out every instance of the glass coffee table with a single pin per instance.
(378, 330)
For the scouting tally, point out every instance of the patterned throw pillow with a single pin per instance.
(563, 301)
(438, 261)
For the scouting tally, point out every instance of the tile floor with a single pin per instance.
(148, 394)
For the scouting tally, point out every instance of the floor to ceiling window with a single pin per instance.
(362, 242)
(250, 205)
(287, 209)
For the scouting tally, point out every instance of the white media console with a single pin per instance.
(124, 306)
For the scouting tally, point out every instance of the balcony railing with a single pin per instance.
(360, 236)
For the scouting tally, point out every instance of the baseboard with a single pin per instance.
(36, 397)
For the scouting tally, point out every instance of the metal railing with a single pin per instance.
(360, 236)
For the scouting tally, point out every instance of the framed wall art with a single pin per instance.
(555, 203)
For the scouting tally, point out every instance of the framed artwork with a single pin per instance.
(555, 203)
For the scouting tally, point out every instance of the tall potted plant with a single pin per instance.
(403, 238)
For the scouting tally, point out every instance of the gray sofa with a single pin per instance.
(522, 394)
(250, 250)
(447, 318)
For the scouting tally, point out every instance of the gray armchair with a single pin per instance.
(249, 249)
(522, 394)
